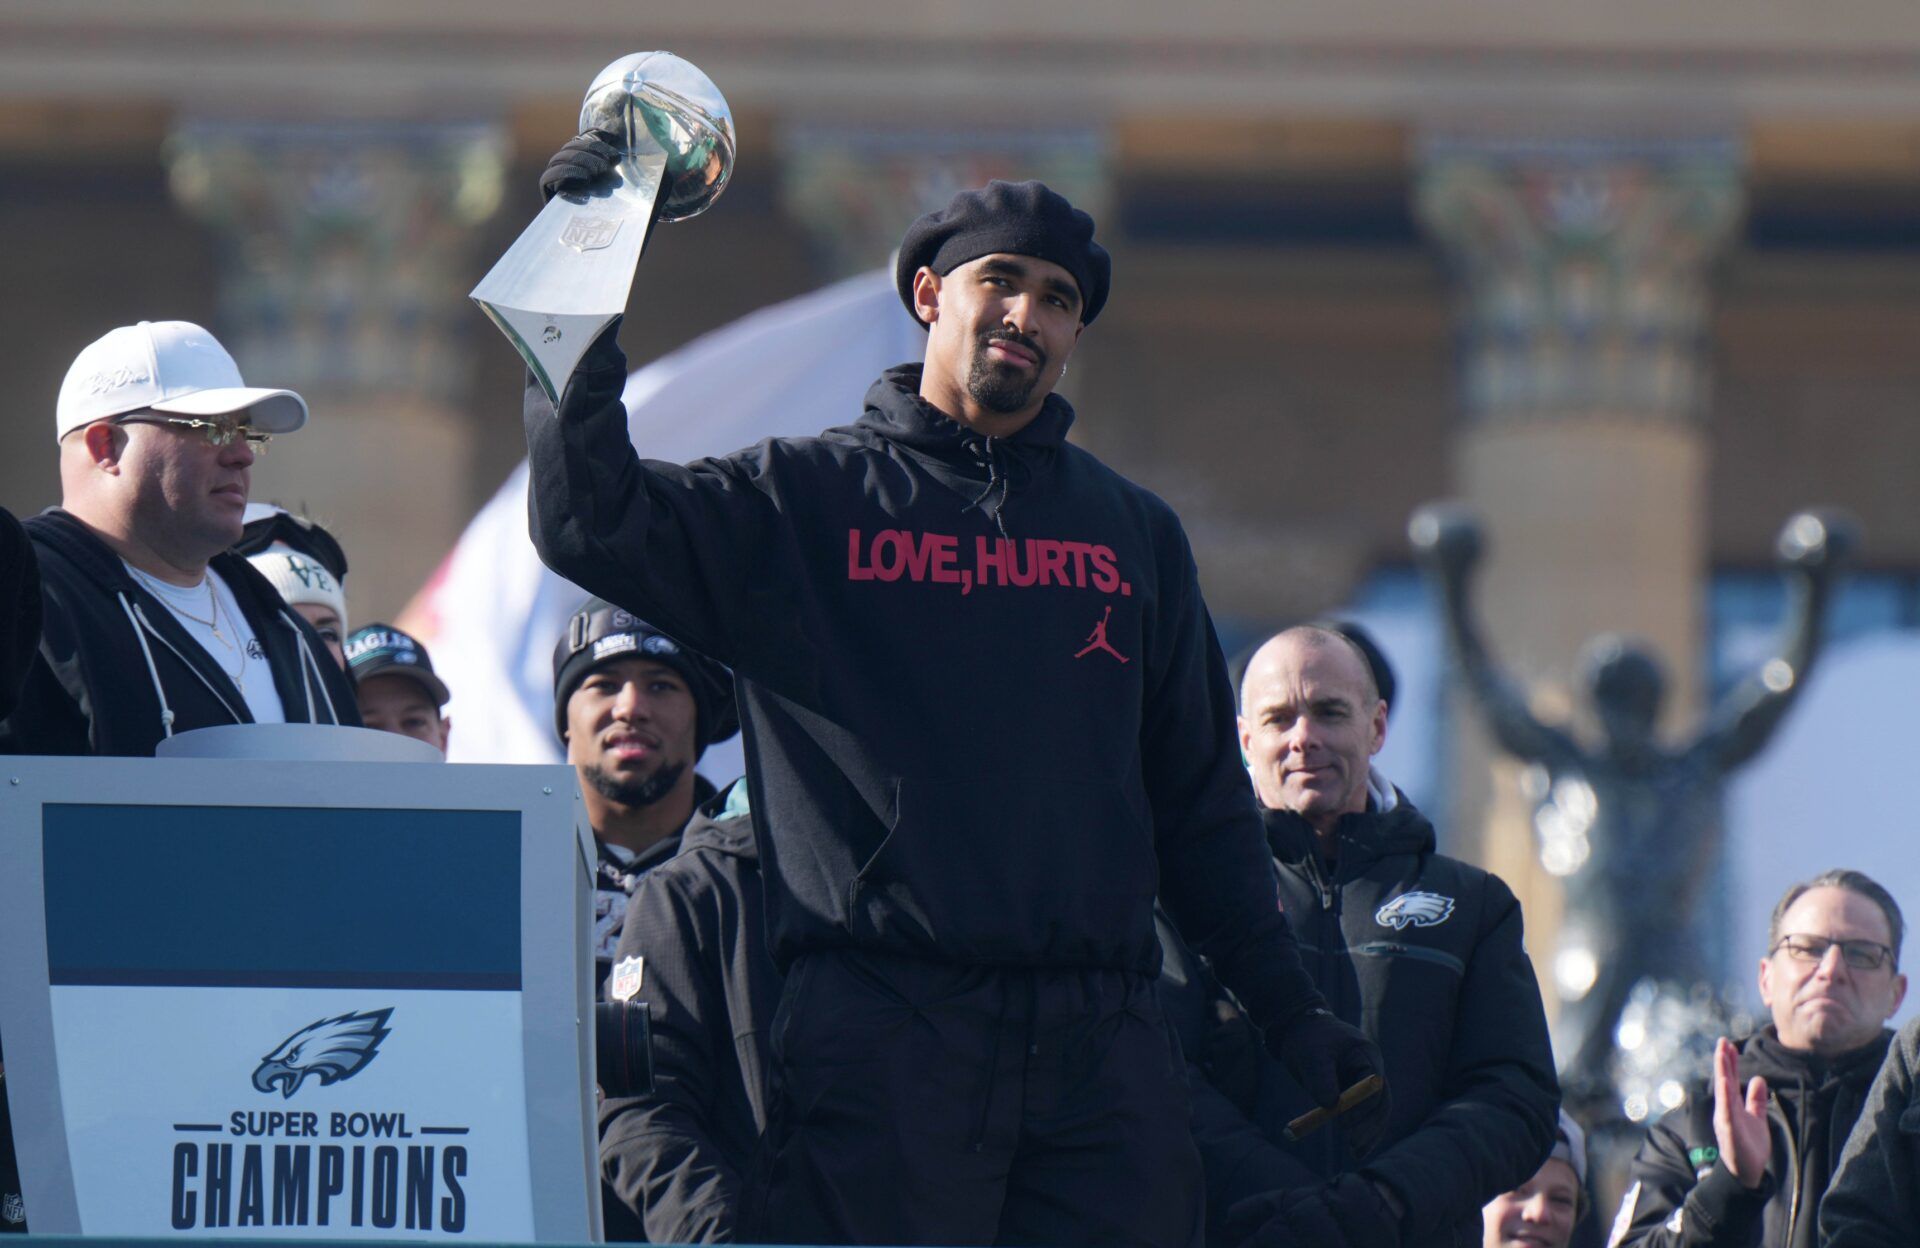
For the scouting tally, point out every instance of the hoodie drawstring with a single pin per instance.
(153, 672)
(309, 662)
(985, 452)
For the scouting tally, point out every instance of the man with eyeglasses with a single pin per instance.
(152, 627)
(1747, 1162)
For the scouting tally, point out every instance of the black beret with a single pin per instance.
(1014, 218)
(600, 632)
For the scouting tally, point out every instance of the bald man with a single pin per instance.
(1421, 951)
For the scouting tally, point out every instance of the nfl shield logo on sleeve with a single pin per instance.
(13, 1210)
(626, 978)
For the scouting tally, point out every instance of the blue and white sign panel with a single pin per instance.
(291, 1021)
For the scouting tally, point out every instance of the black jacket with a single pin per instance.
(19, 643)
(1424, 953)
(1681, 1196)
(986, 716)
(615, 878)
(677, 1160)
(20, 623)
(1874, 1199)
(109, 651)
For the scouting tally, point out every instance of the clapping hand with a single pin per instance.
(1740, 1122)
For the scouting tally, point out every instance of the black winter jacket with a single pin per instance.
(986, 716)
(1680, 1195)
(19, 612)
(1425, 954)
(1874, 1199)
(678, 1159)
(110, 652)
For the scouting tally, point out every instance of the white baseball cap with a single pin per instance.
(167, 366)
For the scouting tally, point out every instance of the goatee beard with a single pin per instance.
(636, 793)
(1002, 387)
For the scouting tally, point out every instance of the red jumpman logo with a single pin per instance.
(1097, 639)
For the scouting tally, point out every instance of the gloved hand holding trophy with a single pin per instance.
(666, 134)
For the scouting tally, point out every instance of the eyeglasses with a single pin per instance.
(1859, 955)
(219, 433)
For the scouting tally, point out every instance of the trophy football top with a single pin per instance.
(657, 102)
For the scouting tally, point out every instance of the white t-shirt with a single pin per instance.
(214, 619)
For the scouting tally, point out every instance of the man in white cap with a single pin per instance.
(152, 627)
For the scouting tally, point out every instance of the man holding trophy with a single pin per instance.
(986, 716)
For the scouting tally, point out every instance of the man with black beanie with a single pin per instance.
(987, 721)
(636, 710)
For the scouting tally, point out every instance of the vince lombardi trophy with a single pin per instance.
(568, 275)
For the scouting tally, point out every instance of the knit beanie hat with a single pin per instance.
(600, 632)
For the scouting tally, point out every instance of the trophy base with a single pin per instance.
(569, 273)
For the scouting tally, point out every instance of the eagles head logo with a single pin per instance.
(330, 1050)
(1414, 910)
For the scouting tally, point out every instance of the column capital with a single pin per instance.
(344, 248)
(856, 188)
(1584, 269)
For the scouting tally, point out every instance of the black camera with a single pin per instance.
(623, 1048)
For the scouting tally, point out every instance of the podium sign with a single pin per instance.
(298, 999)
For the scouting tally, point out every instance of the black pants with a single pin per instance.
(924, 1103)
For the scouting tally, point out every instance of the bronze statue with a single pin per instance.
(1632, 823)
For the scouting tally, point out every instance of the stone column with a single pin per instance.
(857, 188)
(345, 257)
(1582, 278)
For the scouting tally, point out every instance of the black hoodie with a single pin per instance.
(1424, 953)
(1682, 1196)
(110, 652)
(677, 1160)
(986, 715)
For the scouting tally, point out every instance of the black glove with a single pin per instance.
(583, 161)
(1349, 1212)
(1232, 1054)
(1329, 1056)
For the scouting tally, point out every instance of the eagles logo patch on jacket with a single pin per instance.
(1414, 910)
(1427, 955)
